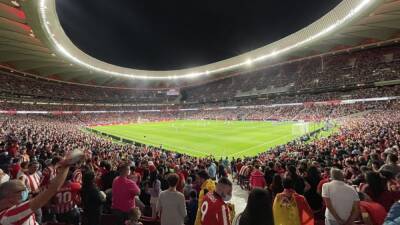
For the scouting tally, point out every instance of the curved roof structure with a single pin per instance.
(33, 42)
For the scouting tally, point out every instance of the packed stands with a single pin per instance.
(42, 123)
(364, 139)
(17, 86)
(354, 69)
(366, 73)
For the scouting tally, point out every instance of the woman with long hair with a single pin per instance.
(154, 191)
(375, 185)
(376, 188)
(276, 186)
(92, 198)
(313, 178)
(258, 210)
(291, 208)
(298, 181)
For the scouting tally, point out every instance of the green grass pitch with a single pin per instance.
(205, 137)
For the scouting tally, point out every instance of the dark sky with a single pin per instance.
(176, 34)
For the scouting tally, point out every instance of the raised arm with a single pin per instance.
(62, 171)
(43, 197)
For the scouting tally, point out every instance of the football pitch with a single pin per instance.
(205, 137)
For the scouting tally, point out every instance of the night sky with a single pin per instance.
(176, 34)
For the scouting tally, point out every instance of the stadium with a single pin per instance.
(213, 113)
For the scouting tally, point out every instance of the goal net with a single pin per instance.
(141, 120)
(300, 128)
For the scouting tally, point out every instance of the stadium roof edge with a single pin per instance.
(343, 14)
(352, 22)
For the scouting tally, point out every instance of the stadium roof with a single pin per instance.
(33, 42)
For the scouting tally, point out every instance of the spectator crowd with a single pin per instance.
(52, 171)
(352, 175)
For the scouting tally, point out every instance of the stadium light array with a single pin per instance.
(15, 3)
(43, 10)
(249, 62)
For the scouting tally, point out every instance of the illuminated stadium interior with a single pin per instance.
(149, 32)
(268, 113)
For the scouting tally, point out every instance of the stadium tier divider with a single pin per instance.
(116, 138)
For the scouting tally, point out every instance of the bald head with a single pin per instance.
(11, 187)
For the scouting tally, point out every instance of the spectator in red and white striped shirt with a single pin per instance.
(77, 175)
(32, 179)
(49, 172)
(32, 182)
(20, 213)
(14, 207)
(65, 201)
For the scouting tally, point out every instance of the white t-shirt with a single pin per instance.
(172, 206)
(342, 197)
(4, 178)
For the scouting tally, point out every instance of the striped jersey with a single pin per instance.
(66, 198)
(32, 182)
(18, 215)
(48, 174)
(77, 176)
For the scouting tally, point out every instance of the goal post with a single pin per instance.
(141, 120)
(300, 128)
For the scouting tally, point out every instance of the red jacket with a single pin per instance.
(376, 211)
(257, 179)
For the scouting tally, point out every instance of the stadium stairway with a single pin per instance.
(239, 199)
(109, 219)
